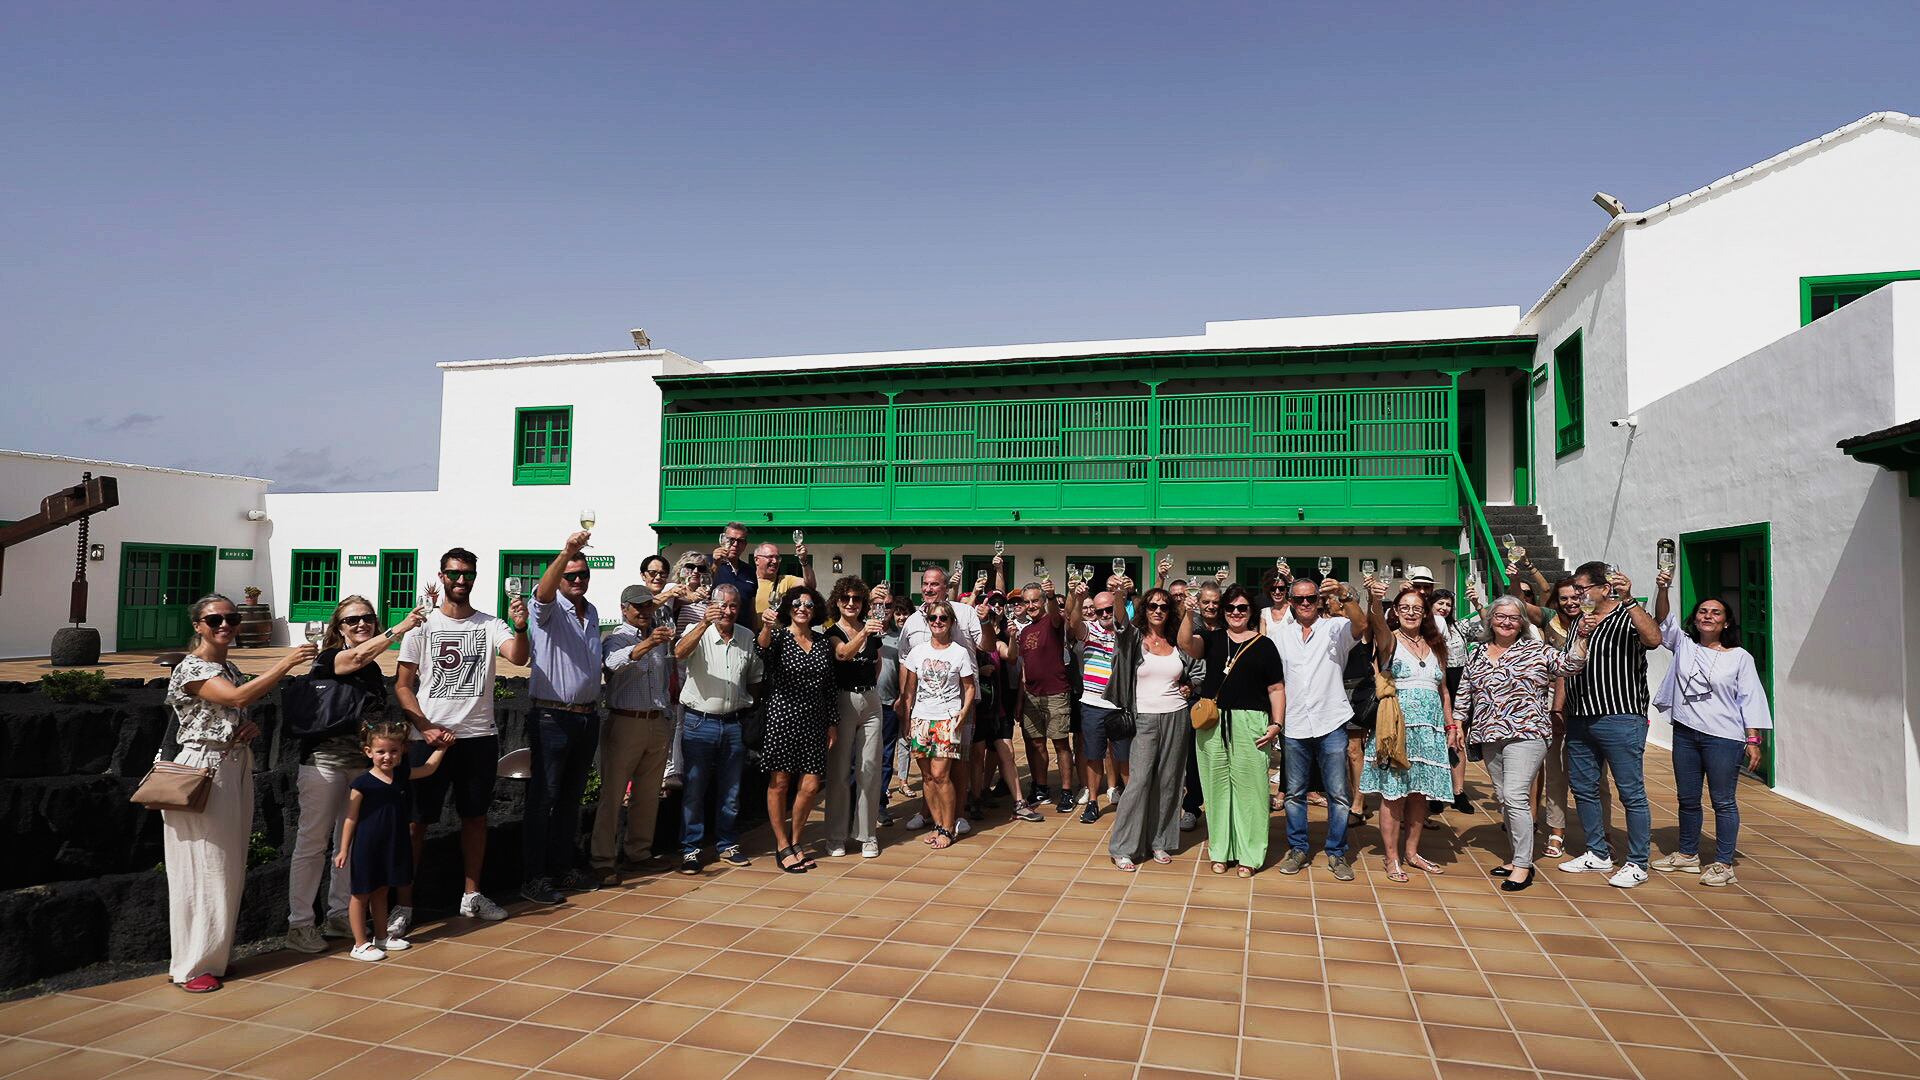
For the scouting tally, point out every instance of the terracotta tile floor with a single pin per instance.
(1021, 953)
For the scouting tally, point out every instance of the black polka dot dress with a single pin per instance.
(800, 709)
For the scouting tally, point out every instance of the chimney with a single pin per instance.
(640, 339)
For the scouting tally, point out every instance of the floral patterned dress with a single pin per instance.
(1417, 681)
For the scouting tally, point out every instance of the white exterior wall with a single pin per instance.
(1719, 276)
(616, 451)
(1753, 442)
(157, 506)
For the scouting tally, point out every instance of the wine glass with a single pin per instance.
(799, 538)
(1370, 568)
(1587, 603)
(1326, 566)
(999, 547)
(1668, 556)
(1040, 570)
(316, 632)
(1086, 574)
(515, 588)
(1119, 567)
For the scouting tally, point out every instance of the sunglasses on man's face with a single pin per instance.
(356, 620)
(458, 575)
(577, 575)
(1103, 611)
(1307, 599)
(217, 621)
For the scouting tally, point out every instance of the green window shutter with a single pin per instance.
(1828, 294)
(1569, 397)
(316, 586)
(543, 445)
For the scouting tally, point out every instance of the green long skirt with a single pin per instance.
(1233, 780)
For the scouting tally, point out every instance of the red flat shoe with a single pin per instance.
(201, 984)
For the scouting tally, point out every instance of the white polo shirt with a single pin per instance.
(1316, 667)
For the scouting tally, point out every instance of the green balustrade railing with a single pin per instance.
(1321, 457)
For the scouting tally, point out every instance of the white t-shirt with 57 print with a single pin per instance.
(455, 658)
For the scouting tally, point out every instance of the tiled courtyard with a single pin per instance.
(1022, 953)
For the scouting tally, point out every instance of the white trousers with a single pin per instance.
(206, 856)
(856, 750)
(323, 810)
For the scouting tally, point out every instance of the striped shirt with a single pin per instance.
(1615, 682)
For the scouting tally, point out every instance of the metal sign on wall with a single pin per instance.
(363, 560)
(236, 554)
(600, 562)
(1204, 569)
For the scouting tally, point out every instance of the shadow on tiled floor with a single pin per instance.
(1021, 952)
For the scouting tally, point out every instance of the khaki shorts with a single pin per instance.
(1045, 717)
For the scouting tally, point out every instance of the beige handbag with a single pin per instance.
(171, 786)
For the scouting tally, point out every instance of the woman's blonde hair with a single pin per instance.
(198, 608)
(334, 639)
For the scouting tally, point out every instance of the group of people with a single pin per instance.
(1176, 701)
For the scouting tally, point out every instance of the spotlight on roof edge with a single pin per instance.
(1614, 207)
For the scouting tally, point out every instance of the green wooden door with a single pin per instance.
(1473, 439)
(158, 583)
(399, 585)
(1736, 566)
(528, 566)
(873, 569)
(1522, 443)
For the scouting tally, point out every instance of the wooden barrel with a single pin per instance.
(256, 625)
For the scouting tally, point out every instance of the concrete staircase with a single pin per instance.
(1530, 529)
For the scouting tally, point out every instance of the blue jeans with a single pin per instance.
(715, 756)
(889, 738)
(1329, 752)
(562, 744)
(1696, 756)
(1093, 735)
(1620, 740)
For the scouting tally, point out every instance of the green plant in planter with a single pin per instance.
(500, 691)
(592, 793)
(259, 852)
(69, 686)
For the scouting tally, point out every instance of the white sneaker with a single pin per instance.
(473, 905)
(1113, 795)
(395, 944)
(1588, 864)
(870, 849)
(961, 827)
(917, 821)
(399, 921)
(1189, 821)
(837, 851)
(368, 952)
(1630, 876)
(306, 939)
(1084, 796)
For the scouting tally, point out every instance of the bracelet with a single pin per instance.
(389, 633)
(1753, 740)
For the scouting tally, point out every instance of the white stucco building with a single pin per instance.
(1744, 328)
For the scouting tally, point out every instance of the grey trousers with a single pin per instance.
(1512, 763)
(1149, 816)
(854, 808)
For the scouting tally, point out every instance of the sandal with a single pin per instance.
(1424, 866)
(1125, 865)
(1556, 846)
(805, 857)
(782, 855)
(1244, 871)
(1396, 873)
(1219, 868)
(940, 839)
(1162, 858)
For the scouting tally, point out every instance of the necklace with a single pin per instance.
(1411, 643)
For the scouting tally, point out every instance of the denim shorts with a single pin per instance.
(1093, 734)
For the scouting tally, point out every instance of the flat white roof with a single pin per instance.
(1294, 332)
(31, 456)
(561, 358)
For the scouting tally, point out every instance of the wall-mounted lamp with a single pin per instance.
(96, 553)
(838, 564)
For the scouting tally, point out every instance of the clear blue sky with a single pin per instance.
(245, 233)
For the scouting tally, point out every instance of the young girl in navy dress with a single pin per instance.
(374, 841)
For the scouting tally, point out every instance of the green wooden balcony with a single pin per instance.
(1320, 457)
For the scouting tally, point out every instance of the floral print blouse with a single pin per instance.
(201, 720)
(1510, 698)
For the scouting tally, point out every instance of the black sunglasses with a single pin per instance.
(1156, 606)
(458, 575)
(1103, 611)
(356, 620)
(577, 575)
(1308, 599)
(939, 620)
(218, 621)
(1240, 607)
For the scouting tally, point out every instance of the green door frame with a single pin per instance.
(1522, 442)
(159, 639)
(1692, 574)
(383, 586)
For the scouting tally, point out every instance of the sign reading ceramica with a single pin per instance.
(236, 554)
(1204, 569)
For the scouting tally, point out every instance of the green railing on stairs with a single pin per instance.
(1479, 533)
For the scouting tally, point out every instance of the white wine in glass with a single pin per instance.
(1588, 603)
(1668, 556)
(515, 588)
(316, 632)
(1119, 567)
(999, 547)
(1326, 566)
(588, 517)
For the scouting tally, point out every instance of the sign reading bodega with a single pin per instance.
(236, 554)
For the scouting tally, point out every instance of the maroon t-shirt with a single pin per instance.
(1043, 663)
